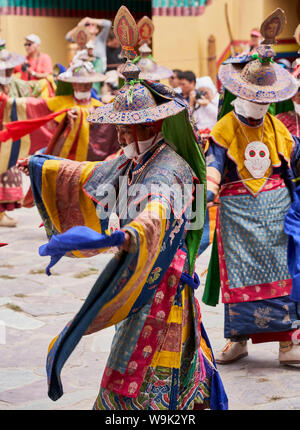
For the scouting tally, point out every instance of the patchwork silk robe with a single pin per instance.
(11, 190)
(81, 142)
(160, 356)
(252, 246)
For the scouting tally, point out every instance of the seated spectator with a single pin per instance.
(38, 64)
(98, 29)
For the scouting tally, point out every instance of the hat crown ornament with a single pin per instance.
(258, 78)
(133, 99)
(126, 31)
(273, 26)
(133, 95)
(137, 102)
(82, 37)
(146, 30)
(260, 71)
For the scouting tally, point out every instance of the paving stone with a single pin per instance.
(18, 320)
(14, 378)
(64, 402)
(101, 341)
(37, 305)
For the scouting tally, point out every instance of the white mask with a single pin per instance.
(4, 80)
(131, 152)
(297, 108)
(249, 109)
(82, 95)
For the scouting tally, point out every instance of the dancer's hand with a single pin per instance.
(126, 244)
(22, 164)
(72, 115)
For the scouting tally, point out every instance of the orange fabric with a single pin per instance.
(40, 64)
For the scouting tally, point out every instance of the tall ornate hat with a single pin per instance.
(149, 68)
(9, 60)
(81, 72)
(136, 102)
(257, 78)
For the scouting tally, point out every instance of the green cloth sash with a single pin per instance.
(212, 285)
(178, 131)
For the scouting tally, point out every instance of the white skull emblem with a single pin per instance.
(257, 159)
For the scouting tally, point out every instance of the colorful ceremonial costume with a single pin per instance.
(81, 142)
(251, 169)
(11, 190)
(160, 356)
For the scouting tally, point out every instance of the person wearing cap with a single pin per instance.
(256, 39)
(205, 100)
(160, 356)
(249, 162)
(38, 65)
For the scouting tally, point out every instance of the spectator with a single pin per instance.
(174, 81)
(256, 39)
(38, 65)
(187, 82)
(113, 51)
(98, 29)
(205, 100)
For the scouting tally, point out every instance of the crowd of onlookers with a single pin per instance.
(104, 50)
(201, 94)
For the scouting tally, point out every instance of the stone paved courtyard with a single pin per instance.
(34, 308)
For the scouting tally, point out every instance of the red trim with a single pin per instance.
(237, 189)
(272, 337)
(62, 12)
(248, 293)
